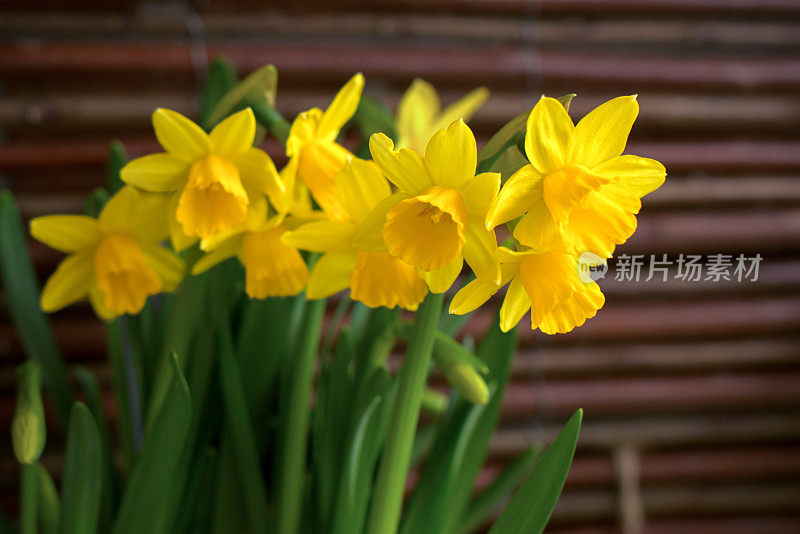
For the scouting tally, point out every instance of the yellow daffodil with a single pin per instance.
(314, 154)
(213, 177)
(115, 259)
(419, 113)
(436, 219)
(579, 193)
(272, 269)
(547, 285)
(374, 278)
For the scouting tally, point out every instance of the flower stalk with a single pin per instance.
(385, 513)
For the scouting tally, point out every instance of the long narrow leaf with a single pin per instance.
(83, 477)
(530, 508)
(22, 295)
(484, 504)
(142, 507)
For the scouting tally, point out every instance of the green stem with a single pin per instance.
(388, 495)
(29, 499)
(272, 120)
(292, 472)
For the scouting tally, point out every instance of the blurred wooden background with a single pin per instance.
(691, 390)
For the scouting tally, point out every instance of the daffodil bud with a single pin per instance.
(28, 431)
(467, 382)
(460, 367)
(434, 401)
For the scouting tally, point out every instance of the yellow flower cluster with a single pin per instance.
(390, 229)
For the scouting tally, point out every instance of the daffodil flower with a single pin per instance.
(213, 177)
(374, 278)
(115, 259)
(314, 154)
(420, 113)
(547, 285)
(579, 193)
(436, 219)
(272, 269)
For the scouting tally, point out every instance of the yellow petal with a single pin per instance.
(537, 229)
(473, 295)
(69, 283)
(404, 167)
(523, 190)
(331, 274)
(360, 186)
(303, 131)
(370, 236)
(140, 213)
(427, 230)
(452, 155)
(272, 269)
(515, 305)
(441, 280)
(222, 251)
(573, 313)
(416, 112)
(321, 236)
(549, 279)
(464, 108)
(258, 173)
(157, 172)
(480, 192)
(548, 140)
(342, 108)
(318, 165)
(67, 233)
(169, 266)
(479, 250)
(234, 136)
(179, 135)
(603, 133)
(639, 175)
(606, 219)
(379, 279)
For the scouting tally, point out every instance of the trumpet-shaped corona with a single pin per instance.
(124, 276)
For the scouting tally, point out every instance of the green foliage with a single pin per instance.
(21, 290)
(530, 508)
(83, 474)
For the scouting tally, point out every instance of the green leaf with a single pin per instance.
(117, 158)
(95, 202)
(239, 425)
(259, 87)
(83, 476)
(94, 400)
(49, 503)
(566, 100)
(482, 505)
(198, 491)
(150, 481)
(530, 508)
(22, 295)
(373, 117)
(221, 79)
